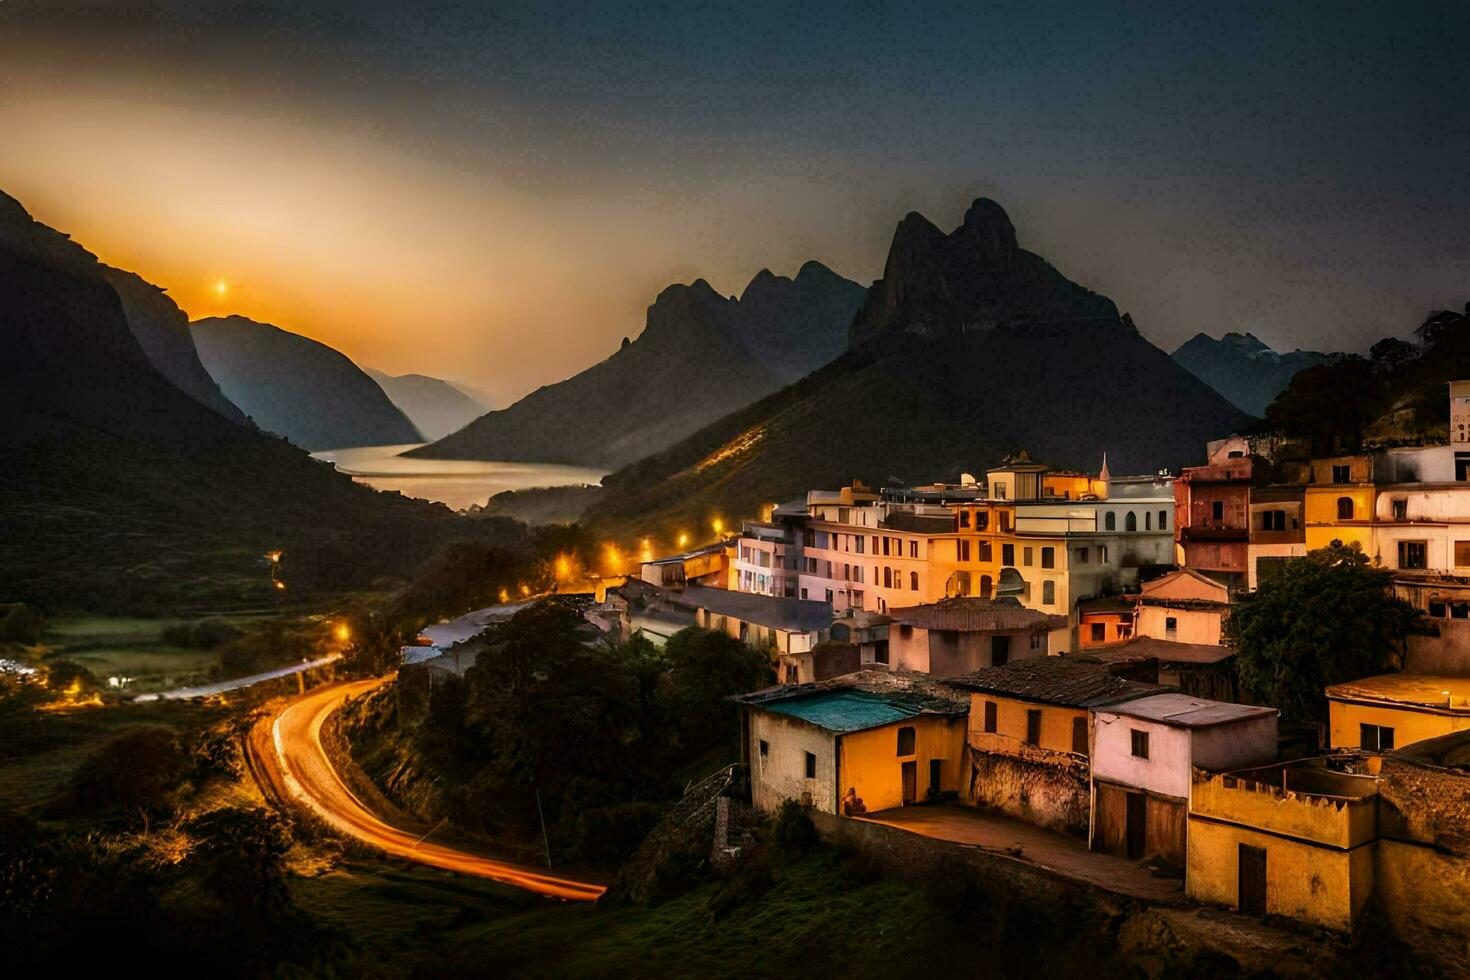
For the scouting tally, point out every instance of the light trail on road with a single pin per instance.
(304, 771)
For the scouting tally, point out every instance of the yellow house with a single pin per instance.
(859, 743)
(1029, 736)
(1393, 710)
(1295, 839)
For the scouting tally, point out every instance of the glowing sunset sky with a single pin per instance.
(494, 194)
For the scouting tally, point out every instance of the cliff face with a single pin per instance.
(299, 388)
(700, 355)
(968, 349)
(1243, 369)
(975, 278)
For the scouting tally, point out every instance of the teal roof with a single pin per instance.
(844, 711)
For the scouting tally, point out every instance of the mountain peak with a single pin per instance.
(987, 225)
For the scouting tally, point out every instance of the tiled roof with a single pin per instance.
(1071, 681)
(779, 612)
(972, 614)
(1164, 651)
(1108, 604)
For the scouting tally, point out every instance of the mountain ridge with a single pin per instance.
(1241, 367)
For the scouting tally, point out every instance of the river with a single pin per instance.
(455, 482)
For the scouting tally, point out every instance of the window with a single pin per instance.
(1400, 509)
(887, 577)
(906, 741)
(982, 520)
(1130, 522)
(1462, 466)
(1217, 510)
(1437, 608)
(1140, 743)
(1102, 554)
(913, 549)
(1036, 641)
(1163, 520)
(1412, 554)
(886, 539)
(1341, 473)
(1110, 522)
(1375, 738)
(964, 550)
(984, 587)
(1344, 508)
(765, 748)
(1148, 521)
(914, 581)
(1033, 726)
(1099, 632)
(811, 766)
(1171, 627)
(803, 593)
(964, 518)
(1079, 736)
(1048, 593)
(1000, 651)
(829, 596)
(860, 542)
(990, 716)
(1008, 555)
(1005, 521)
(1026, 554)
(1082, 556)
(1048, 558)
(1273, 520)
(986, 554)
(1462, 552)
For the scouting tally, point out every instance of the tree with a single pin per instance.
(1323, 619)
(134, 771)
(1329, 404)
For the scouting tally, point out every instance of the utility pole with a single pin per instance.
(545, 841)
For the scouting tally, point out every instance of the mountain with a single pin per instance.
(298, 388)
(119, 492)
(967, 349)
(700, 355)
(162, 329)
(1243, 369)
(435, 407)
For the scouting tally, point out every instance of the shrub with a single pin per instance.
(794, 834)
(132, 771)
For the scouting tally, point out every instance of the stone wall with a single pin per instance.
(1042, 787)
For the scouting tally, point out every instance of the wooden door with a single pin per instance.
(936, 770)
(910, 783)
(1252, 876)
(1137, 824)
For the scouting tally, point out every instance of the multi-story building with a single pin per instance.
(1213, 516)
(1277, 531)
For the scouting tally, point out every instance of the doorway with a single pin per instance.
(1137, 827)
(1252, 875)
(936, 769)
(910, 782)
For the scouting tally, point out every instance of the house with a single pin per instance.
(1185, 605)
(1200, 670)
(1293, 838)
(964, 633)
(1394, 710)
(1105, 619)
(1212, 521)
(1277, 531)
(868, 631)
(709, 566)
(874, 739)
(828, 659)
(1029, 738)
(1143, 753)
(787, 625)
(649, 610)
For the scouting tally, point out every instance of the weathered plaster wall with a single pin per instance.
(870, 762)
(1040, 786)
(781, 774)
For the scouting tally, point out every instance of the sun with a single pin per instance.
(221, 288)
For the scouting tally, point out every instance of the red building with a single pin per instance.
(1212, 518)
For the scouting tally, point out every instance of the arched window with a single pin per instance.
(1111, 521)
(1130, 523)
(914, 581)
(1344, 508)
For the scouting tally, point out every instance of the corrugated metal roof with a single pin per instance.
(1189, 712)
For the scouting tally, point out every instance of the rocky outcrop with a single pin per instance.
(297, 387)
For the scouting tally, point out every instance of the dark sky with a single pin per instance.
(493, 192)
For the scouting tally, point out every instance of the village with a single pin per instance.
(1036, 663)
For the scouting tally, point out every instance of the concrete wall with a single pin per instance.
(1040, 786)
(1235, 746)
(780, 775)
(1409, 725)
(1165, 771)
(870, 763)
(1192, 625)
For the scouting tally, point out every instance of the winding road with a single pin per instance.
(292, 764)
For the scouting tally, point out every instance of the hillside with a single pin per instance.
(435, 407)
(120, 492)
(298, 388)
(1243, 369)
(699, 355)
(162, 329)
(942, 378)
